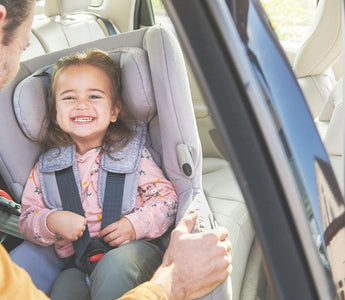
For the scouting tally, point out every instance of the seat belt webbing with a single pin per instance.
(71, 201)
(109, 26)
(113, 191)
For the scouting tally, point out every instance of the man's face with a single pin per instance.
(10, 54)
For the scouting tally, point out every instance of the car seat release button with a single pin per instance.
(185, 160)
(187, 170)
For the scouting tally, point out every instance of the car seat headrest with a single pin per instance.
(63, 7)
(323, 44)
(30, 95)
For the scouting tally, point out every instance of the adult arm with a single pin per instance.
(146, 291)
(15, 282)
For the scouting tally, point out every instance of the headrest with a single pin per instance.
(63, 7)
(30, 95)
(324, 43)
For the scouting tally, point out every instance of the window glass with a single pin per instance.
(291, 20)
(308, 160)
(161, 15)
(158, 8)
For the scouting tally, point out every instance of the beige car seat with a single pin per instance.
(65, 24)
(318, 60)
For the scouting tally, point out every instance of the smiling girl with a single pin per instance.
(88, 132)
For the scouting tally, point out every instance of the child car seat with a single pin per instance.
(155, 91)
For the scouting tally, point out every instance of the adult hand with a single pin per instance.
(118, 233)
(194, 264)
(67, 224)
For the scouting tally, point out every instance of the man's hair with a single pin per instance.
(17, 12)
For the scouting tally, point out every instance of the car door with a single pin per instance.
(271, 141)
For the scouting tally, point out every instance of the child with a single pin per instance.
(88, 133)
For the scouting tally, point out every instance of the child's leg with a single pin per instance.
(41, 263)
(123, 268)
(70, 284)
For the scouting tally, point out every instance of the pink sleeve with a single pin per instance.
(156, 204)
(32, 221)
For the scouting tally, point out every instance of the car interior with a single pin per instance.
(123, 26)
(318, 67)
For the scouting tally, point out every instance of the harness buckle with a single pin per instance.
(96, 255)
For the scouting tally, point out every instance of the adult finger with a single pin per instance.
(226, 244)
(221, 232)
(187, 223)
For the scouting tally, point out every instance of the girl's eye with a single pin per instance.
(95, 97)
(69, 98)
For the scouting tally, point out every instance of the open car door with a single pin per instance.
(272, 144)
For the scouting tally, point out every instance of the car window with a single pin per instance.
(159, 10)
(291, 20)
(161, 15)
(303, 148)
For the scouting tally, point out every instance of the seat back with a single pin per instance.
(66, 24)
(320, 54)
(330, 125)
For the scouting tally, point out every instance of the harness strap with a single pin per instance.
(114, 187)
(71, 202)
(111, 212)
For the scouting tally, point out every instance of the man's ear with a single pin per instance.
(3, 14)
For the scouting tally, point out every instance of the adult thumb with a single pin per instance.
(187, 223)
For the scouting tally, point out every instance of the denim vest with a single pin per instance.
(125, 161)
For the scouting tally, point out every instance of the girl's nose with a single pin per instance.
(82, 103)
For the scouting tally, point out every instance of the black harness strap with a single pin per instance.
(70, 200)
(111, 212)
(113, 190)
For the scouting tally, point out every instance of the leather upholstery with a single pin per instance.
(322, 48)
(62, 7)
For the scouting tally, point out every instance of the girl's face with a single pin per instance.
(84, 107)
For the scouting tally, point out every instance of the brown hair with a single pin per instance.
(118, 133)
(17, 12)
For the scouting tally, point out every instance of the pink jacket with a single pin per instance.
(153, 213)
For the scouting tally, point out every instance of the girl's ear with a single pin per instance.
(115, 111)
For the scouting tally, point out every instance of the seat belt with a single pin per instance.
(109, 26)
(88, 251)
